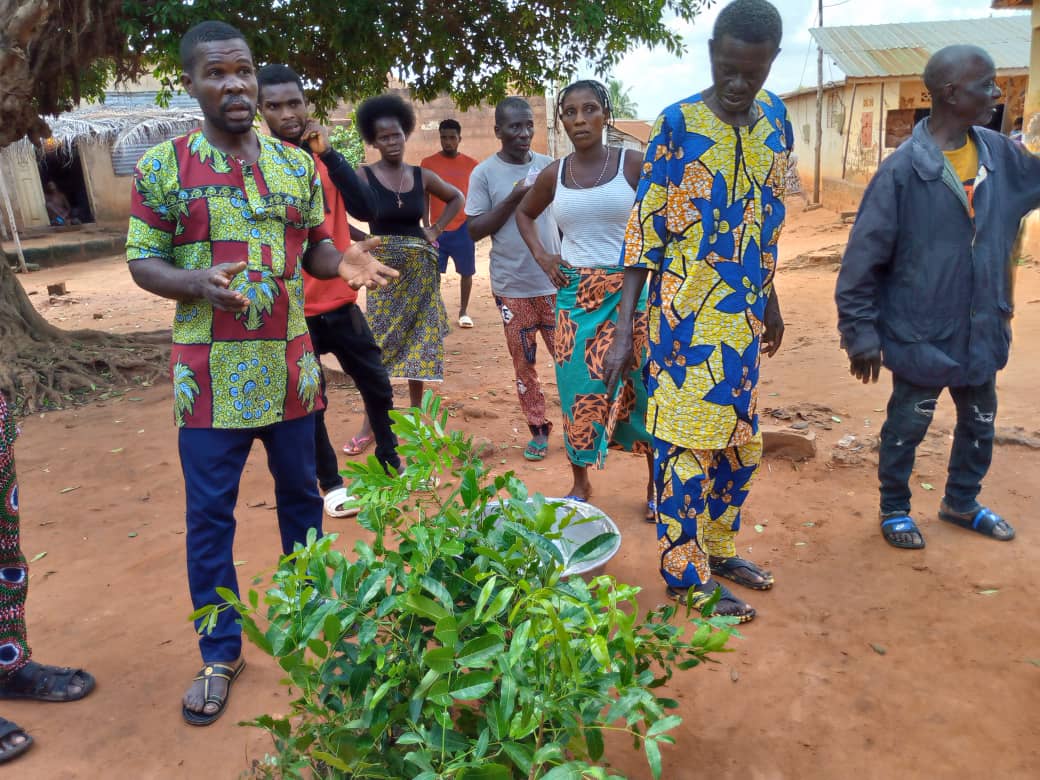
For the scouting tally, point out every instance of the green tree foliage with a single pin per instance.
(621, 101)
(347, 141)
(475, 50)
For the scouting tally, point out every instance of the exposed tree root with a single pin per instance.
(45, 367)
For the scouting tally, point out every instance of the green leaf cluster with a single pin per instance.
(452, 646)
(473, 51)
(347, 141)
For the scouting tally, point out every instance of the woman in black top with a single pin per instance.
(408, 316)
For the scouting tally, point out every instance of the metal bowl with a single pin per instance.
(588, 522)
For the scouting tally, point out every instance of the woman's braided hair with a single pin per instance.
(596, 88)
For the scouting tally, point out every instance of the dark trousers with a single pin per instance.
(344, 332)
(910, 412)
(212, 461)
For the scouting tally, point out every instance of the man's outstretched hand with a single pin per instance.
(213, 285)
(866, 368)
(359, 268)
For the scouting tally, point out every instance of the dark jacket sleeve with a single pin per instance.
(869, 252)
(357, 195)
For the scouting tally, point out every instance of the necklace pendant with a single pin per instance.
(400, 203)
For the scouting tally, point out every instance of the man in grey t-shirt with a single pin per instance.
(523, 293)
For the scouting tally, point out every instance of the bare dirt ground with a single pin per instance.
(864, 661)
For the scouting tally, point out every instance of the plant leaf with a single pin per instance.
(424, 607)
(594, 740)
(663, 725)
(440, 659)
(486, 772)
(593, 548)
(653, 758)
(472, 685)
(480, 651)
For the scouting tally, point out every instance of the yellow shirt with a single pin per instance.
(965, 162)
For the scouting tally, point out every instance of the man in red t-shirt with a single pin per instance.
(455, 168)
(336, 324)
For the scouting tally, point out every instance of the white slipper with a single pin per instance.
(465, 321)
(339, 503)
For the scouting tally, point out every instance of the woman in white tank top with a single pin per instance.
(591, 192)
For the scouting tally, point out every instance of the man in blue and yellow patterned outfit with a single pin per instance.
(704, 228)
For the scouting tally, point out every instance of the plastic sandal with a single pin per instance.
(339, 503)
(903, 524)
(984, 522)
(7, 728)
(206, 674)
(358, 444)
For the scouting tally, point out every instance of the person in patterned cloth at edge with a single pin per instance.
(335, 321)
(708, 213)
(223, 221)
(20, 676)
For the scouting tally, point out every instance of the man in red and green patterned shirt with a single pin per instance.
(224, 220)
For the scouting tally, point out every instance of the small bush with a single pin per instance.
(451, 647)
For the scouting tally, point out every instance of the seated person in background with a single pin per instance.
(59, 210)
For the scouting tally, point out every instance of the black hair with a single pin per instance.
(505, 104)
(750, 21)
(205, 32)
(449, 124)
(596, 88)
(387, 106)
(269, 75)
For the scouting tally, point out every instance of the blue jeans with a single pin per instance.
(910, 412)
(212, 461)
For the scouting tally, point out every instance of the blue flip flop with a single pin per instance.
(985, 522)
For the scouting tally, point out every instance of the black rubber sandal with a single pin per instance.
(902, 524)
(7, 728)
(206, 674)
(651, 512)
(728, 605)
(735, 569)
(46, 683)
(984, 522)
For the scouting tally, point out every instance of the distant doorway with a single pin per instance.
(64, 186)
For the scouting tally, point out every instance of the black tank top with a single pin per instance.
(391, 220)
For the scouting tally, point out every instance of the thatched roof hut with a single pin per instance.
(126, 129)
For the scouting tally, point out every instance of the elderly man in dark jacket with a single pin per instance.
(925, 287)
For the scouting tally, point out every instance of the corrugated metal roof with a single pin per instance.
(880, 50)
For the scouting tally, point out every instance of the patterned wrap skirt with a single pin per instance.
(586, 318)
(407, 316)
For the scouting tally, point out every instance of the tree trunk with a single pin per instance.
(45, 367)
